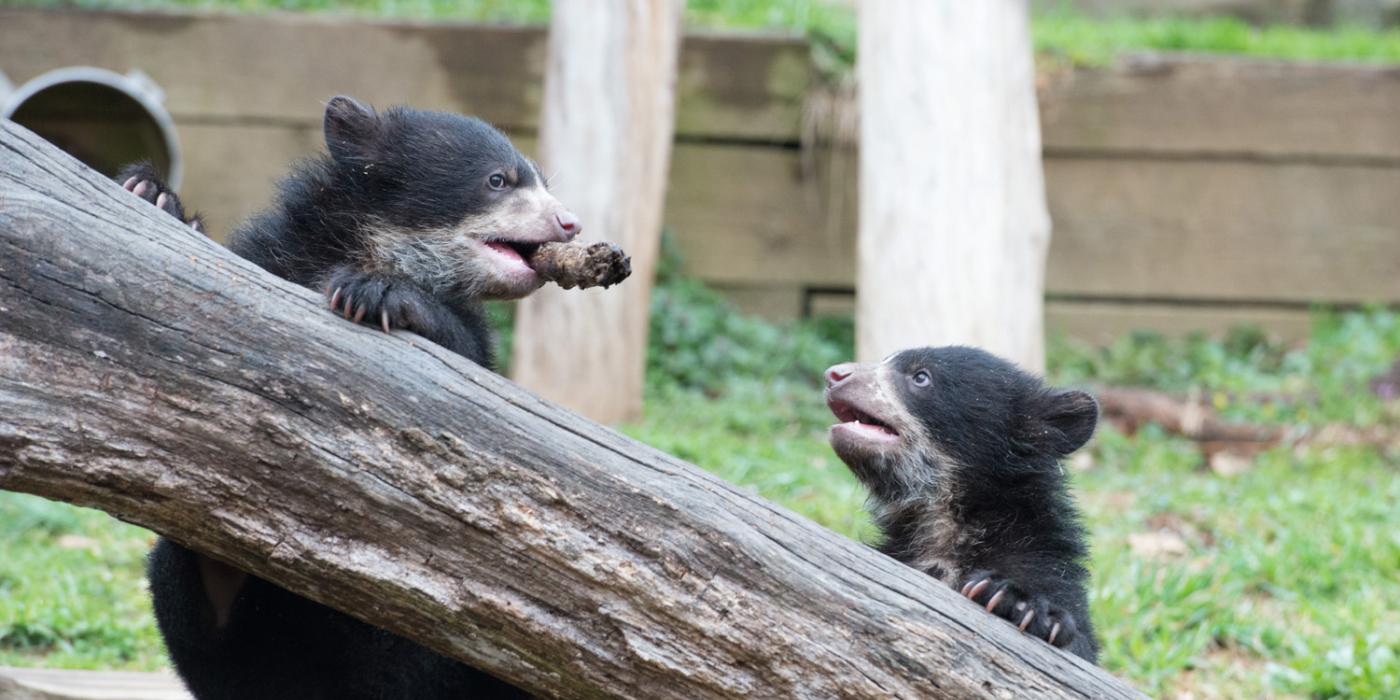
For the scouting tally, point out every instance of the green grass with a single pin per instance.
(1059, 34)
(72, 593)
(1285, 583)
(1087, 41)
(1286, 568)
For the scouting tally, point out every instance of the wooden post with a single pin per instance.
(954, 228)
(605, 142)
(146, 371)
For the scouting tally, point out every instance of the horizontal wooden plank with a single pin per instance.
(56, 684)
(1224, 231)
(777, 303)
(746, 215)
(282, 67)
(1123, 228)
(231, 171)
(1222, 105)
(1097, 322)
(1104, 322)
(1378, 13)
(830, 303)
(742, 87)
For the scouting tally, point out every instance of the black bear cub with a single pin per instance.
(410, 221)
(961, 452)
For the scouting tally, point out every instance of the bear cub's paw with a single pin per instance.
(1033, 614)
(142, 180)
(387, 304)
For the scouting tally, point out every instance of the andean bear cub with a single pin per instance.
(410, 221)
(961, 452)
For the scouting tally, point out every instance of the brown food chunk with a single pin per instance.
(582, 265)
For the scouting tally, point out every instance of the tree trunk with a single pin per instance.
(953, 222)
(148, 372)
(605, 142)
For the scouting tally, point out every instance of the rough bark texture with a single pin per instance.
(953, 222)
(147, 372)
(605, 140)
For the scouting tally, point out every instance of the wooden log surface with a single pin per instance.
(57, 684)
(147, 372)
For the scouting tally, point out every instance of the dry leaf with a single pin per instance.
(1230, 464)
(76, 542)
(1154, 545)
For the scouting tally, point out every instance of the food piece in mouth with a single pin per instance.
(582, 265)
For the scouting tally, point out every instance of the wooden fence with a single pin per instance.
(1187, 192)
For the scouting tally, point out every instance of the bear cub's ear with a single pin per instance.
(1060, 421)
(352, 129)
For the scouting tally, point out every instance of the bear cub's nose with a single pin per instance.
(568, 224)
(838, 373)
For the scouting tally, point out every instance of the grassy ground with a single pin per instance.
(1280, 581)
(1058, 33)
(72, 593)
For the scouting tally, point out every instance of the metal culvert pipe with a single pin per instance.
(102, 118)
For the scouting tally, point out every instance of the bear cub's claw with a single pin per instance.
(385, 304)
(1033, 614)
(142, 180)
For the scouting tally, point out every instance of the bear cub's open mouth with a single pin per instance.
(516, 250)
(853, 417)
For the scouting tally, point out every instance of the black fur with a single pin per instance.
(416, 177)
(143, 176)
(407, 169)
(281, 646)
(972, 490)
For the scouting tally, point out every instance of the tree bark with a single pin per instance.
(148, 372)
(605, 142)
(954, 228)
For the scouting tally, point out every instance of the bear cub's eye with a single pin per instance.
(922, 378)
(497, 181)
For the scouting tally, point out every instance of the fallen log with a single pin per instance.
(147, 372)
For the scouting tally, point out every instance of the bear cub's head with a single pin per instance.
(926, 416)
(443, 199)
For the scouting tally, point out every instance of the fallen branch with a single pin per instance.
(1129, 408)
(147, 372)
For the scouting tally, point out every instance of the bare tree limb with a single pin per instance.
(149, 373)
